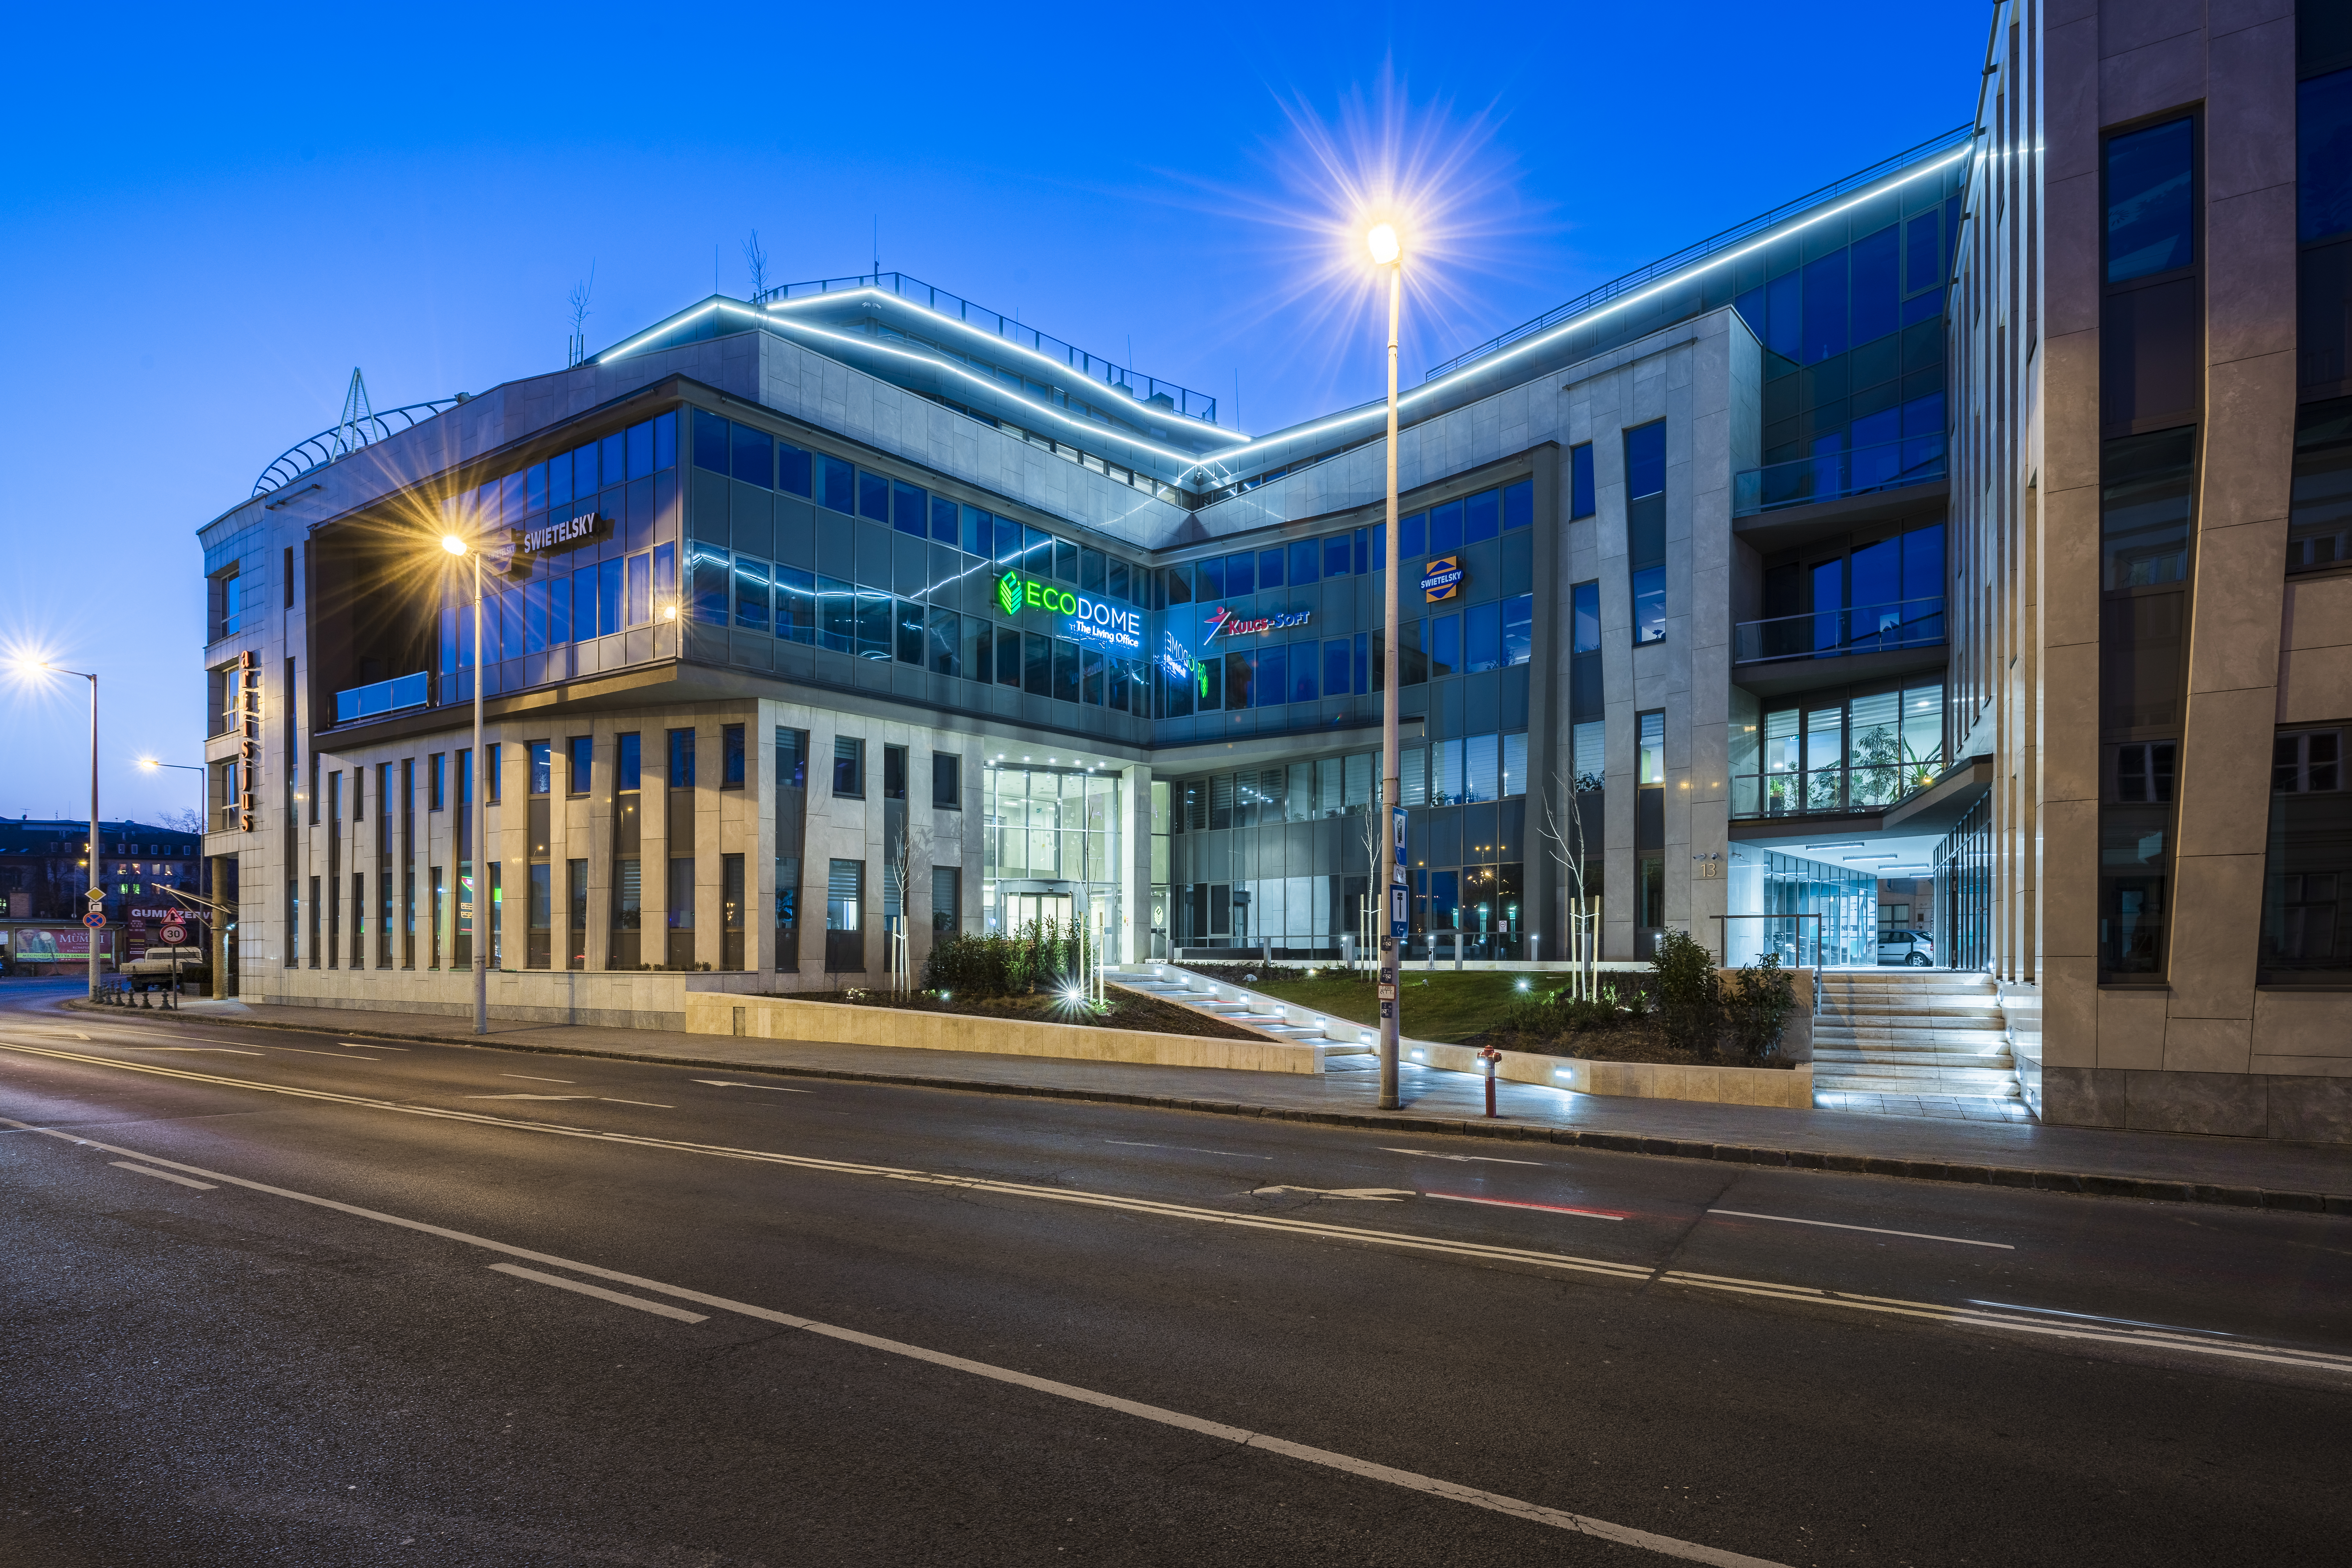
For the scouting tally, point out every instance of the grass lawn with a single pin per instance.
(1443, 1006)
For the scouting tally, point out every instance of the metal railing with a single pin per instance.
(1826, 476)
(1144, 389)
(342, 441)
(385, 696)
(1865, 786)
(1691, 254)
(1840, 634)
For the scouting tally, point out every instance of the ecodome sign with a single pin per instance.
(1076, 615)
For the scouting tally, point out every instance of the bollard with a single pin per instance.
(1492, 1058)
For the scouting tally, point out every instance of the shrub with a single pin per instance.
(1757, 1005)
(1690, 1005)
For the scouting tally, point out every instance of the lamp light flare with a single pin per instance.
(1384, 243)
(453, 544)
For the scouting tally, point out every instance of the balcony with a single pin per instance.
(1841, 634)
(385, 696)
(1831, 476)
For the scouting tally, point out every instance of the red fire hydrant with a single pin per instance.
(1492, 1058)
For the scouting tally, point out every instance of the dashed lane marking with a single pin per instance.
(160, 1175)
(659, 1308)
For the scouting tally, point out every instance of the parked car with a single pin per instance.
(155, 968)
(1912, 947)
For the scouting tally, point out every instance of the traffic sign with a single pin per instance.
(95, 896)
(94, 919)
(173, 935)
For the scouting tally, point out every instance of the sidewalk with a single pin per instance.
(2171, 1167)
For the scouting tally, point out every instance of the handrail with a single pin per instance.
(1169, 394)
(1917, 623)
(342, 441)
(1703, 249)
(1826, 476)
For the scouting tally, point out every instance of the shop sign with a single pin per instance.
(566, 534)
(1222, 622)
(1078, 616)
(1440, 576)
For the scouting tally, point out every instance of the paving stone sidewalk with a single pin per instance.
(2173, 1167)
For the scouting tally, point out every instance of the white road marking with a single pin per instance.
(371, 1046)
(659, 1308)
(610, 1101)
(1875, 1230)
(527, 1078)
(1461, 1159)
(231, 1050)
(1533, 1513)
(1362, 1195)
(1187, 1148)
(530, 1096)
(337, 1055)
(1519, 1203)
(1636, 1273)
(724, 1083)
(161, 1175)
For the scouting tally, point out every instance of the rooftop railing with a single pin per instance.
(1826, 476)
(360, 702)
(1840, 634)
(1147, 390)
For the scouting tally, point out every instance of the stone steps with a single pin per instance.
(1911, 1034)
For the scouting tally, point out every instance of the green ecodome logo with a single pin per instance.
(1008, 592)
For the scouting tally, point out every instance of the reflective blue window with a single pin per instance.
(1273, 677)
(1269, 568)
(1302, 562)
(559, 480)
(665, 440)
(943, 520)
(1784, 333)
(1519, 504)
(1519, 627)
(755, 459)
(641, 450)
(1825, 308)
(795, 470)
(1444, 528)
(873, 497)
(752, 594)
(1875, 286)
(1923, 254)
(1650, 604)
(979, 532)
(795, 604)
(2323, 155)
(1241, 574)
(910, 511)
(1579, 481)
(1645, 459)
(706, 583)
(1336, 667)
(2150, 221)
(1446, 645)
(1302, 672)
(709, 444)
(1482, 638)
(1337, 555)
(1481, 516)
(1008, 543)
(836, 485)
(1412, 536)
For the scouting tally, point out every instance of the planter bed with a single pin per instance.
(1129, 1010)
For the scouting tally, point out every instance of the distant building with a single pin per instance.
(44, 875)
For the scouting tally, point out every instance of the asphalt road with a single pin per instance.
(265, 1297)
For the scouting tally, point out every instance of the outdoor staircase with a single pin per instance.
(1925, 1042)
(1340, 1044)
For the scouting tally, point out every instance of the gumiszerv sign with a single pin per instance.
(565, 534)
(1076, 615)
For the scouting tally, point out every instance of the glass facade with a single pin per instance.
(1805, 911)
(1051, 846)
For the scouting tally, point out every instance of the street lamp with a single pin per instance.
(203, 807)
(456, 546)
(95, 900)
(1388, 251)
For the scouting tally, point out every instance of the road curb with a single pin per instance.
(2080, 1184)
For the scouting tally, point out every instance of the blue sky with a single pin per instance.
(214, 215)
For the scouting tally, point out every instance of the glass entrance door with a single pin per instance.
(1019, 908)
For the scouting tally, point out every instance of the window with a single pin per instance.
(434, 775)
(2319, 518)
(1650, 757)
(1580, 482)
(947, 782)
(1645, 529)
(221, 603)
(2307, 872)
(894, 773)
(2151, 211)
(947, 897)
(286, 575)
(494, 776)
(625, 763)
(848, 769)
(845, 899)
(1518, 630)
(584, 753)
(2144, 508)
(681, 759)
(542, 766)
(730, 757)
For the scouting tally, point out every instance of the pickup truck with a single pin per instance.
(152, 969)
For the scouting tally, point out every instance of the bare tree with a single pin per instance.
(183, 819)
(1563, 839)
(579, 302)
(756, 260)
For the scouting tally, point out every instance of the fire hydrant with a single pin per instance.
(1491, 1058)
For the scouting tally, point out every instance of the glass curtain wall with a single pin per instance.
(1804, 911)
(1051, 847)
(1833, 751)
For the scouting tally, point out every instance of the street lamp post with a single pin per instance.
(481, 953)
(95, 900)
(1388, 252)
